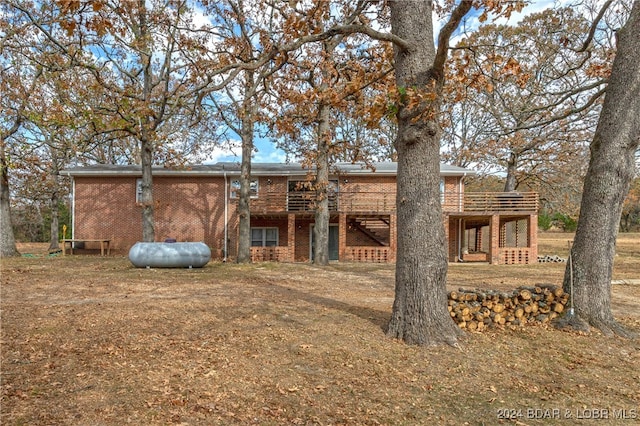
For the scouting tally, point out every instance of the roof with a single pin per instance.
(257, 169)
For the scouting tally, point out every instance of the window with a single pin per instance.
(264, 237)
(253, 188)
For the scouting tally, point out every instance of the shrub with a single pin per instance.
(545, 221)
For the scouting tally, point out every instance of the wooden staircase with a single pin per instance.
(376, 228)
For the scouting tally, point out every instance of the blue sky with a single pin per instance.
(268, 153)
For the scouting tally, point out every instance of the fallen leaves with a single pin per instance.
(199, 350)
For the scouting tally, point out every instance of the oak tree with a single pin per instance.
(247, 34)
(611, 169)
(420, 313)
(323, 81)
(524, 99)
(20, 74)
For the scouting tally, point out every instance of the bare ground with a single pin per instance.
(93, 341)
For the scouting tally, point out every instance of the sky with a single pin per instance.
(266, 152)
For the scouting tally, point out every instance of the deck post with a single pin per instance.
(393, 237)
(533, 238)
(494, 247)
(447, 235)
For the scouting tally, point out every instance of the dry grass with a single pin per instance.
(89, 340)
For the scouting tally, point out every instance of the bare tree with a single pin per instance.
(18, 78)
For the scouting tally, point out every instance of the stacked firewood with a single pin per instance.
(551, 259)
(478, 309)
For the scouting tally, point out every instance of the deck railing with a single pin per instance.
(385, 202)
(490, 202)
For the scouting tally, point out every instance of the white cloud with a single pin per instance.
(266, 153)
(270, 156)
(224, 153)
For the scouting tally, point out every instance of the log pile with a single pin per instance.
(476, 310)
(551, 259)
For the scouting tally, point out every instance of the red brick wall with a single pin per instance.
(186, 208)
(355, 237)
(376, 192)
(271, 192)
(384, 184)
(192, 209)
(452, 238)
(303, 242)
(106, 208)
(451, 195)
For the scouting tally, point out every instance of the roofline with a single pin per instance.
(258, 169)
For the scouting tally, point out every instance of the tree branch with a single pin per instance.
(558, 117)
(445, 35)
(594, 26)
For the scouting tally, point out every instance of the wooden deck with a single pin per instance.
(380, 202)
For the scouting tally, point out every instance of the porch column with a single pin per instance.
(447, 233)
(494, 245)
(342, 236)
(533, 238)
(291, 237)
(479, 238)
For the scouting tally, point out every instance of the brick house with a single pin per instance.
(199, 203)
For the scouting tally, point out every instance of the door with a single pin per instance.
(333, 242)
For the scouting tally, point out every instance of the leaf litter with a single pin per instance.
(92, 340)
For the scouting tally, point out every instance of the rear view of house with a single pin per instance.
(199, 203)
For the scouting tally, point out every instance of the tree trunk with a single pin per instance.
(244, 207)
(321, 227)
(148, 229)
(420, 315)
(607, 182)
(7, 239)
(247, 120)
(146, 143)
(512, 167)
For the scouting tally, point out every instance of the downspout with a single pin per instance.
(226, 215)
(460, 220)
(73, 208)
(459, 239)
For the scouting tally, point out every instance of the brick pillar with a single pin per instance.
(393, 238)
(494, 246)
(291, 237)
(533, 238)
(342, 235)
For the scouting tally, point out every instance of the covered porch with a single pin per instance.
(496, 238)
(288, 237)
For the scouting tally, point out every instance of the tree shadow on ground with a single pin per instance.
(377, 317)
